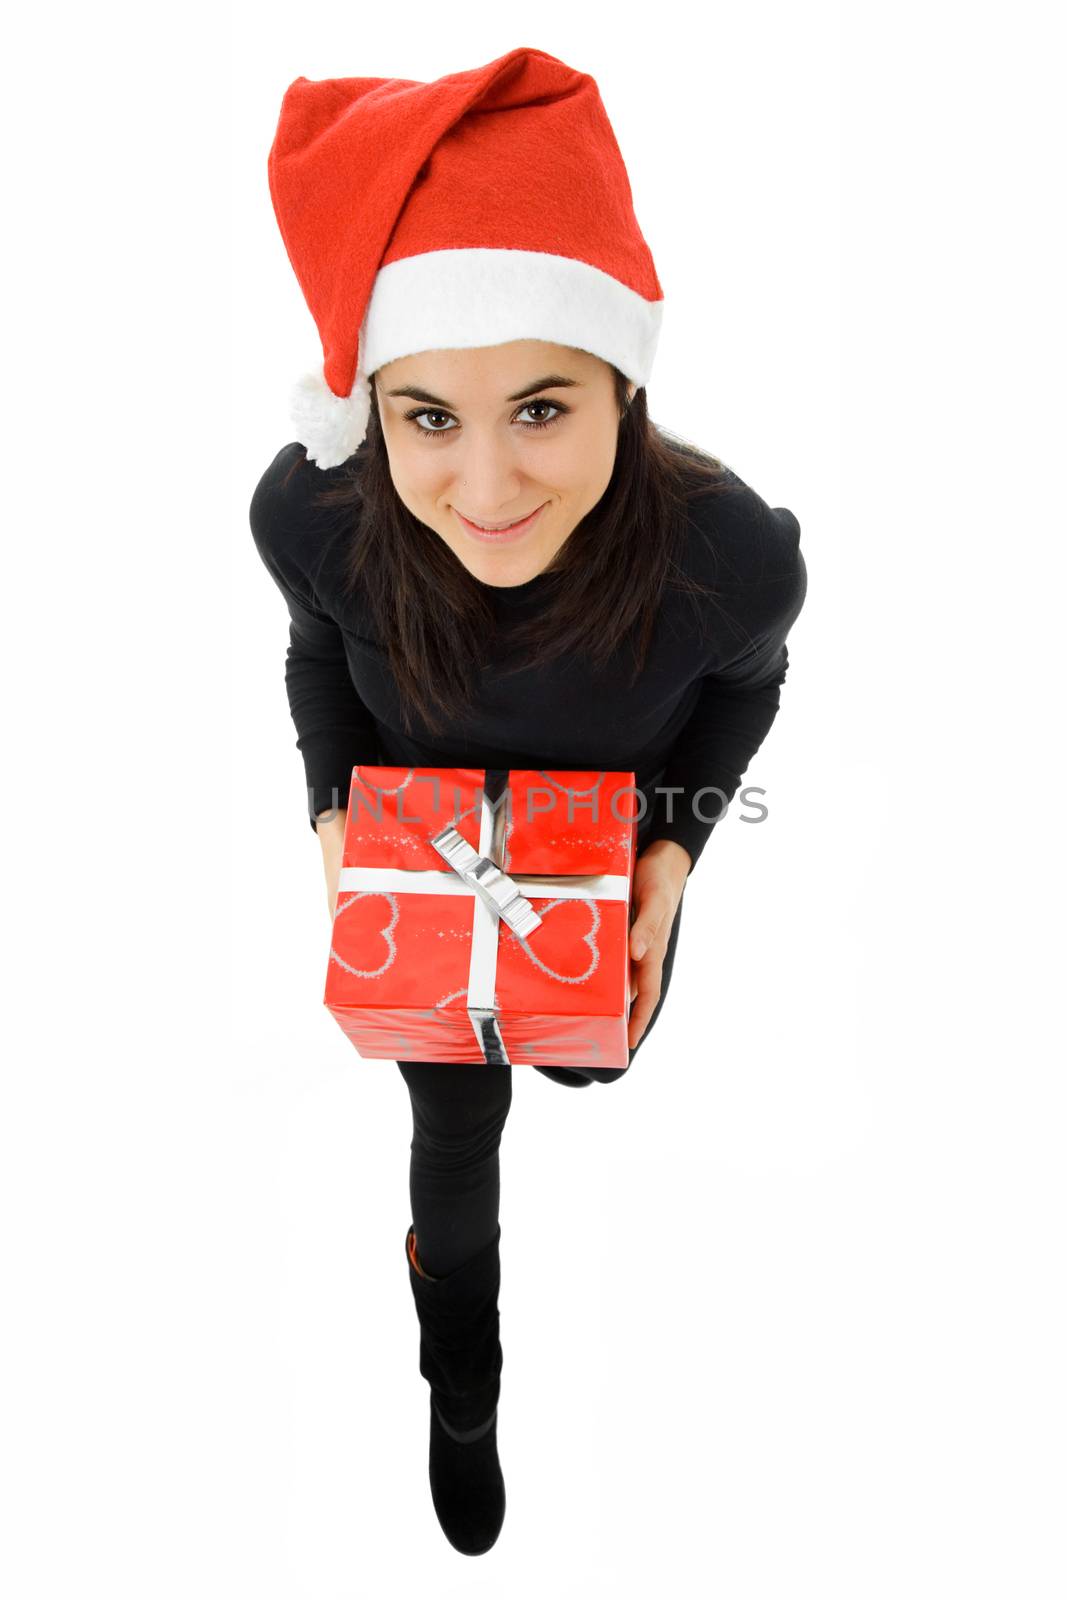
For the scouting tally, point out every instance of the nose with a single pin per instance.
(489, 486)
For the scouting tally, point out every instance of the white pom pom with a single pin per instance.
(331, 427)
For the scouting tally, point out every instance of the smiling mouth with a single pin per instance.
(509, 533)
(498, 527)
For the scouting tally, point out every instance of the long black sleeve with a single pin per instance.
(335, 730)
(738, 699)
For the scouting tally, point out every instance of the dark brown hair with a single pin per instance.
(607, 579)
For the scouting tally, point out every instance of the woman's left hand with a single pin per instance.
(659, 878)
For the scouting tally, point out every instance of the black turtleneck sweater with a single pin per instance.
(694, 719)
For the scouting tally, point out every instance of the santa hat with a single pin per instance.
(486, 206)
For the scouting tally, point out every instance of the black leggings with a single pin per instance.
(458, 1112)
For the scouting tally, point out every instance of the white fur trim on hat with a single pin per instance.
(331, 427)
(455, 299)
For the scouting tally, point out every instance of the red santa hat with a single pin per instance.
(486, 206)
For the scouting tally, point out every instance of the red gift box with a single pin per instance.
(485, 915)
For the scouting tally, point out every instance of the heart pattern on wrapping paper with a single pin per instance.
(473, 810)
(588, 938)
(386, 933)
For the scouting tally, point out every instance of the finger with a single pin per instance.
(655, 942)
(636, 1028)
(645, 930)
(643, 1008)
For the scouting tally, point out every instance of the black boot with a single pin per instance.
(460, 1356)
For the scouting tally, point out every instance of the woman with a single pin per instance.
(491, 557)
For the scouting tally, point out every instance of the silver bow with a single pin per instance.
(500, 893)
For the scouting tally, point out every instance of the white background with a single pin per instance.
(783, 1311)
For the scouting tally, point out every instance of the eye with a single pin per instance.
(552, 406)
(414, 417)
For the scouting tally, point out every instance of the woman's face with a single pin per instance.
(461, 434)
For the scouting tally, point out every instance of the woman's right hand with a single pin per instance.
(330, 828)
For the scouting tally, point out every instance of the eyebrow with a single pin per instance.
(553, 381)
